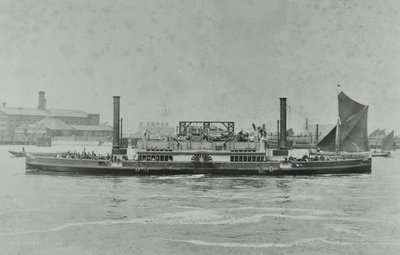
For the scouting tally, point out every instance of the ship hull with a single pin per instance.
(20, 154)
(271, 168)
(381, 154)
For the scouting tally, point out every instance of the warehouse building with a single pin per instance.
(15, 119)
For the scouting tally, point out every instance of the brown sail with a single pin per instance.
(353, 132)
(388, 142)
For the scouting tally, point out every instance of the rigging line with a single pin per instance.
(302, 115)
(309, 118)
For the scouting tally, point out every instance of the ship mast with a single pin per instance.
(337, 138)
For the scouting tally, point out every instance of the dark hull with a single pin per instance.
(381, 154)
(18, 154)
(98, 167)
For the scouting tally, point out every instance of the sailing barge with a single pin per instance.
(224, 161)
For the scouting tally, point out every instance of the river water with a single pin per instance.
(70, 214)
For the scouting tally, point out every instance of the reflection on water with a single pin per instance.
(199, 214)
(115, 202)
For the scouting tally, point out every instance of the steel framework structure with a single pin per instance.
(184, 125)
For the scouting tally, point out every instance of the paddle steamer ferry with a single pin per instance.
(221, 158)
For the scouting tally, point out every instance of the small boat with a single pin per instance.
(20, 154)
(381, 153)
(349, 138)
(387, 145)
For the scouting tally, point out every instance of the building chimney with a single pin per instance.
(116, 144)
(42, 101)
(277, 134)
(283, 139)
(316, 134)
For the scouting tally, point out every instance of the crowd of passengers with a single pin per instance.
(305, 158)
(91, 155)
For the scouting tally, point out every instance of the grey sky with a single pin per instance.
(195, 60)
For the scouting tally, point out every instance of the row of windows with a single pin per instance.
(22, 121)
(244, 150)
(32, 121)
(93, 133)
(246, 158)
(156, 157)
(75, 122)
(156, 149)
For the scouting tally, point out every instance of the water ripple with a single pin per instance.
(301, 242)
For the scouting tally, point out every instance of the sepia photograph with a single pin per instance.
(199, 127)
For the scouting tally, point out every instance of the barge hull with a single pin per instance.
(215, 168)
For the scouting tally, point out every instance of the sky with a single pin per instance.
(203, 60)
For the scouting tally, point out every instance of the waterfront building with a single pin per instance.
(87, 132)
(13, 117)
(155, 130)
(48, 127)
(376, 137)
(56, 129)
